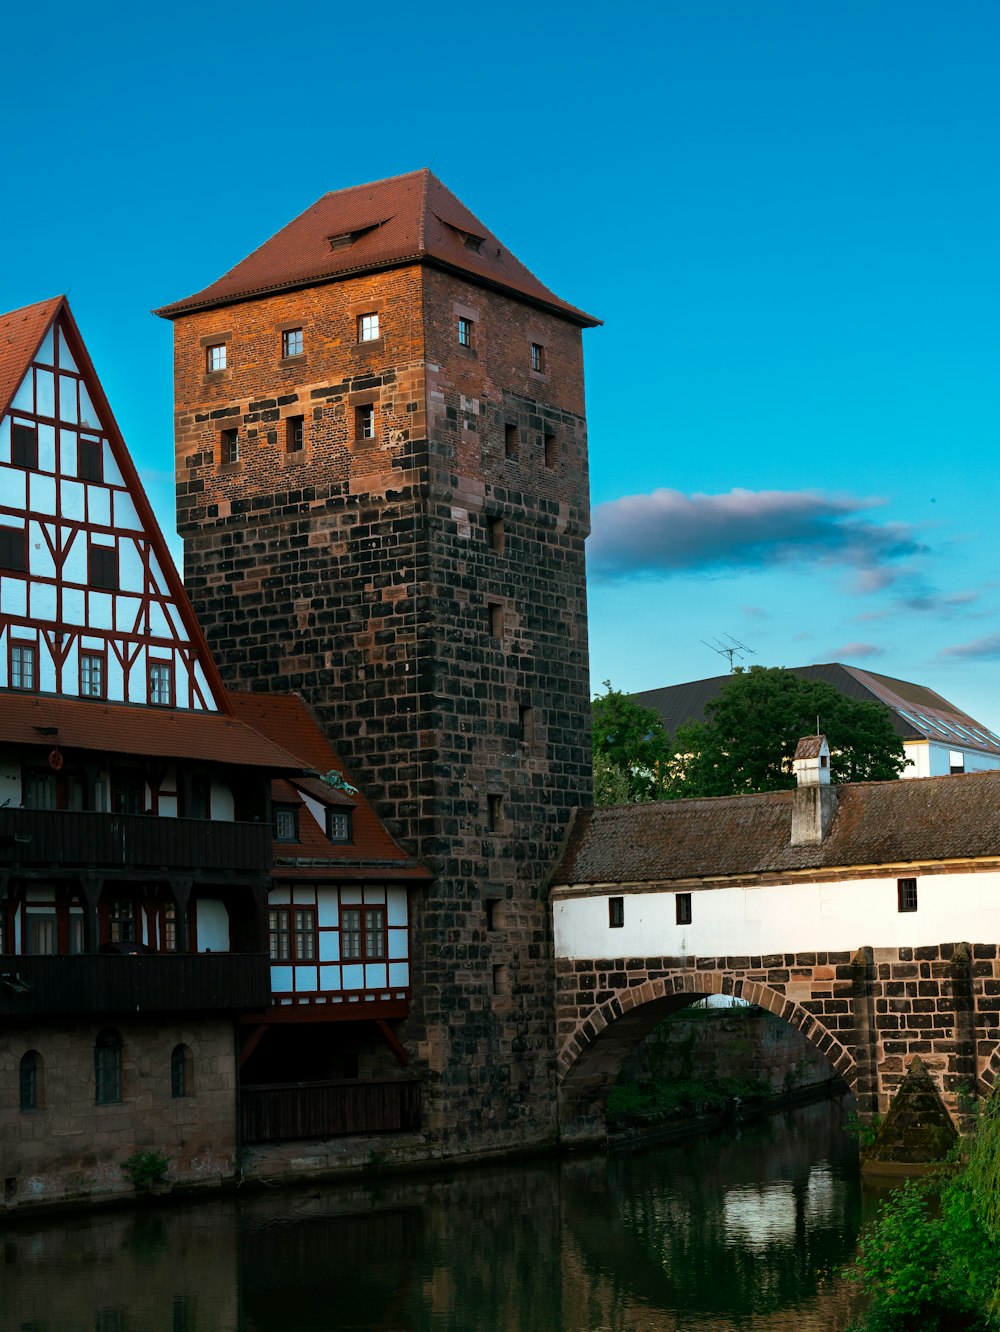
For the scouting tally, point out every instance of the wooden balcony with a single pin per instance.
(141, 983)
(284, 1112)
(31, 839)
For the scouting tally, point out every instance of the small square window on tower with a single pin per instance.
(215, 358)
(364, 421)
(616, 913)
(682, 902)
(538, 358)
(295, 431)
(494, 812)
(526, 724)
(495, 614)
(495, 535)
(906, 894)
(551, 449)
(464, 332)
(510, 440)
(291, 342)
(368, 328)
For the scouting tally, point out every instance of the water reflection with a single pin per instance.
(723, 1233)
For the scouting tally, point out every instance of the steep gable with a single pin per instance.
(404, 219)
(91, 605)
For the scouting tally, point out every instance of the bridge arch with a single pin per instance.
(596, 1040)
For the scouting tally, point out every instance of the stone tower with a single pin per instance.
(382, 492)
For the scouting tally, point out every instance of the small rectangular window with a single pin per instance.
(14, 549)
(465, 332)
(23, 666)
(90, 460)
(494, 812)
(493, 907)
(91, 675)
(24, 445)
(215, 358)
(501, 979)
(286, 823)
(510, 440)
(229, 446)
(538, 358)
(682, 902)
(291, 342)
(364, 427)
(295, 431)
(368, 328)
(338, 825)
(495, 534)
(956, 761)
(616, 913)
(526, 724)
(279, 927)
(121, 920)
(102, 567)
(161, 684)
(551, 450)
(362, 933)
(496, 620)
(906, 894)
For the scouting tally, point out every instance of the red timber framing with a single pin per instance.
(86, 580)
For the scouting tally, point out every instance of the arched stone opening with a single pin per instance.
(591, 1056)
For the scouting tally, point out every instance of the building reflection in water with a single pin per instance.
(747, 1232)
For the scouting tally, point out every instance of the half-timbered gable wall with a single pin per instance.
(90, 606)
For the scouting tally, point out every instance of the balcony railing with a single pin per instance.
(34, 837)
(286, 1111)
(140, 983)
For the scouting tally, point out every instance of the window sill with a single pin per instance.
(292, 362)
(216, 376)
(376, 344)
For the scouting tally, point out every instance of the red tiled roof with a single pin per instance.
(288, 718)
(21, 333)
(117, 728)
(924, 820)
(404, 219)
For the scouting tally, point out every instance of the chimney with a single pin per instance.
(815, 800)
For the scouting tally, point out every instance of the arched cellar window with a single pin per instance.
(108, 1067)
(32, 1081)
(181, 1072)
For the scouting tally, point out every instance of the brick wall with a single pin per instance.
(425, 591)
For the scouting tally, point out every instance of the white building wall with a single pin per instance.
(786, 918)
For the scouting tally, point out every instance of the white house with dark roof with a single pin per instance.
(938, 738)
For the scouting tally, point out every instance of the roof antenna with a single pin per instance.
(734, 648)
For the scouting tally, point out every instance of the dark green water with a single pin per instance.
(728, 1232)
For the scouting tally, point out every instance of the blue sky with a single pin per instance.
(785, 211)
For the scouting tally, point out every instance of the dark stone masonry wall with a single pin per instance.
(870, 1013)
(425, 591)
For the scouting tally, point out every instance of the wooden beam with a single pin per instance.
(393, 1042)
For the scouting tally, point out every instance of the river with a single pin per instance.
(746, 1229)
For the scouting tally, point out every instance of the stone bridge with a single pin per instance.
(869, 1012)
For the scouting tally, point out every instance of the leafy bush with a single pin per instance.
(144, 1169)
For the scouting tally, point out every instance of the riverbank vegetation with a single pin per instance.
(660, 1101)
(931, 1260)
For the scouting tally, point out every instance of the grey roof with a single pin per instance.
(918, 713)
(876, 823)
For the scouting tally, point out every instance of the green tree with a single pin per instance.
(631, 748)
(750, 732)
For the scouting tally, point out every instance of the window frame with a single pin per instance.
(89, 451)
(907, 899)
(364, 420)
(682, 908)
(334, 815)
(31, 1081)
(538, 358)
(466, 331)
(281, 812)
(292, 935)
(616, 913)
(103, 567)
(292, 343)
(369, 328)
(108, 1059)
(18, 647)
(181, 1072)
(88, 656)
(295, 434)
(24, 444)
(363, 933)
(154, 691)
(13, 559)
(216, 357)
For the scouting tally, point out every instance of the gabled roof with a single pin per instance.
(917, 713)
(121, 728)
(876, 823)
(288, 719)
(21, 334)
(404, 219)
